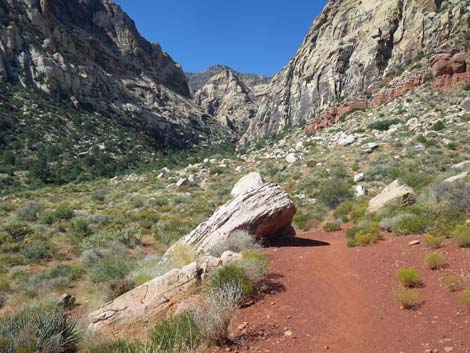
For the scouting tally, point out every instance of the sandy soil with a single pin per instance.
(330, 298)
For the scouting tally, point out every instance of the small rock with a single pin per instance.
(359, 177)
(288, 333)
(243, 326)
(448, 349)
(181, 182)
(414, 242)
(291, 158)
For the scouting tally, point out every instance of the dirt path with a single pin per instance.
(330, 298)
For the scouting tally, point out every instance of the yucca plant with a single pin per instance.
(43, 329)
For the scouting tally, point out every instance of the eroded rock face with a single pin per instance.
(249, 182)
(265, 212)
(226, 97)
(91, 53)
(351, 45)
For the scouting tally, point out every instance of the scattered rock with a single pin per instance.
(230, 256)
(181, 182)
(66, 300)
(291, 158)
(456, 177)
(414, 243)
(359, 177)
(346, 141)
(359, 191)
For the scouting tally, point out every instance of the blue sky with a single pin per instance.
(249, 35)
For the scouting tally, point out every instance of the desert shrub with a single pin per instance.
(438, 126)
(343, 210)
(214, 316)
(238, 241)
(4, 283)
(182, 255)
(48, 218)
(110, 267)
(18, 231)
(177, 334)
(407, 297)
(358, 211)
(435, 260)
(64, 212)
(118, 287)
(333, 192)
(383, 125)
(451, 282)
(461, 234)
(408, 277)
(38, 330)
(71, 272)
(305, 219)
(433, 242)
(406, 224)
(170, 231)
(36, 250)
(232, 276)
(331, 227)
(149, 268)
(81, 227)
(29, 212)
(465, 298)
(128, 236)
(136, 202)
(254, 265)
(363, 234)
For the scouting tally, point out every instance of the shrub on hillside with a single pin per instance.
(461, 234)
(363, 234)
(465, 298)
(29, 212)
(112, 267)
(81, 227)
(433, 242)
(118, 287)
(407, 297)
(333, 192)
(237, 242)
(383, 125)
(331, 227)
(18, 231)
(37, 250)
(232, 276)
(182, 255)
(406, 224)
(438, 126)
(435, 260)
(408, 277)
(451, 282)
(64, 212)
(38, 330)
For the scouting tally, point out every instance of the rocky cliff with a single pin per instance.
(351, 45)
(90, 53)
(226, 97)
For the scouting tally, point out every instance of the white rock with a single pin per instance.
(181, 182)
(456, 177)
(248, 183)
(359, 177)
(392, 192)
(347, 140)
(461, 165)
(360, 191)
(230, 256)
(291, 158)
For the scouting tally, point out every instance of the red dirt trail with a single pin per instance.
(330, 298)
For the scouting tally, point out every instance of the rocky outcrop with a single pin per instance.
(226, 97)
(152, 301)
(392, 192)
(249, 182)
(265, 212)
(446, 69)
(351, 45)
(91, 54)
(196, 80)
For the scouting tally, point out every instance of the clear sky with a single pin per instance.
(259, 36)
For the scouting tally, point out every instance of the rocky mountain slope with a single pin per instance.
(351, 45)
(91, 54)
(226, 97)
(196, 80)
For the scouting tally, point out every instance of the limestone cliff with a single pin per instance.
(351, 45)
(226, 97)
(90, 53)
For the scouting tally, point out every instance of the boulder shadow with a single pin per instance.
(296, 242)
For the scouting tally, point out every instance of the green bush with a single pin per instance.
(343, 210)
(230, 275)
(36, 250)
(406, 224)
(438, 126)
(331, 227)
(465, 298)
(64, 212)
(177, 334)
(48, 218)
(363, 235)
(111, 267)
(81, 227)
(451, 282)
(383, 125)
(333, 192)
(38, 330)
(435, 260)
(29, 212)
(433, 242)
(18, 231)
(408, 298)
(118, 287)
(408, 277)
(461, 234)
(237, 242)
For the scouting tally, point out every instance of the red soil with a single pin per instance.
(330, 298)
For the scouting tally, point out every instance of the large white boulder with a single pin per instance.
(265, 212)
(391, 192)
(247, 183)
